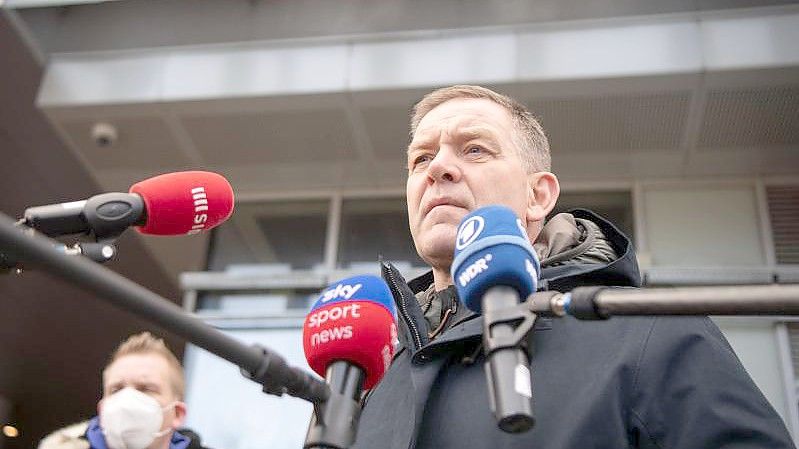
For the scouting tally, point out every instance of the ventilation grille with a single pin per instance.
(618, 123)
(759, 117)
(783, 206)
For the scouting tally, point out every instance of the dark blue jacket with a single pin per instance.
(629, 382)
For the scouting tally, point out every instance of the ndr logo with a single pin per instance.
(469, 231)
(474, 269)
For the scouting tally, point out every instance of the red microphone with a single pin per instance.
(348, 337)
(184, 202)
(169, 204)
(352, 321)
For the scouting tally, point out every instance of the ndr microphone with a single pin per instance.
(170, 204)
(348, 338)
(494, 268)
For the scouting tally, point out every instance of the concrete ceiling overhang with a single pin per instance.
(681, 95)
(649, 96)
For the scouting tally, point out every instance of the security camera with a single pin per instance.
(104, 134)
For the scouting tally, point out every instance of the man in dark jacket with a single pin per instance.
(628, 382)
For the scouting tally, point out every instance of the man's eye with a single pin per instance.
(420, 160)
(474, 149)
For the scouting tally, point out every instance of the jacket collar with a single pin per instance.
(564, 276)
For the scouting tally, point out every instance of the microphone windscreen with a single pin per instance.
(492, 249)
(184, 202)
(354, 320)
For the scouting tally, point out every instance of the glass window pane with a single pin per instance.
(254, 303)
(374, 227)
(287, 235)
(231, 412)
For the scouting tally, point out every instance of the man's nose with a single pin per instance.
(445, 166)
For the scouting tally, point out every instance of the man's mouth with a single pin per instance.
(441, 202)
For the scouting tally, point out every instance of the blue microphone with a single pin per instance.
(492, 249)
(494, 269)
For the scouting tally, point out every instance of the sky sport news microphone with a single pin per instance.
(633, 382)
(348, 338)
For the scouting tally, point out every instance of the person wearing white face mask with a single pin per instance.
(142, 401)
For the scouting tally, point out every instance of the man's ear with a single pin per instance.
(180, 415)
(543, 193)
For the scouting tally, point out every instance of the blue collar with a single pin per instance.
(97, 441)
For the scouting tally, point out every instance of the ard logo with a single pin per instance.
(469, 231)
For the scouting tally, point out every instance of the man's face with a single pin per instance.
(462, 157)
(150, 374)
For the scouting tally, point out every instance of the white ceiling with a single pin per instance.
(350, 141)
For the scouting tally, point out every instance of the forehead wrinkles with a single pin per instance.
(449, 128)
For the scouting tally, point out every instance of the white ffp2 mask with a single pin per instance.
(131, 419)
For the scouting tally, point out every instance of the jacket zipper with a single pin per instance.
(404, 309)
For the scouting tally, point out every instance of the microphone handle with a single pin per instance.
(507, 366)
(106, 215)
(334, 423)
(57, 219)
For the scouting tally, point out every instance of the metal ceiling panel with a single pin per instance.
(766, 116)
(312, 136)
(624, 123)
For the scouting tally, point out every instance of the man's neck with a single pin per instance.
(441, 278)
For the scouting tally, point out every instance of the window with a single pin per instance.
(232, 412)
(372, 228)
(287, 235)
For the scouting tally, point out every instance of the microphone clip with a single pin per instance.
(264, 374)
(519, 318)
(100, 251)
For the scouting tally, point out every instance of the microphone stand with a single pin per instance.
(600, 303)
(257, 363)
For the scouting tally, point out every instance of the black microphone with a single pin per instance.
(169, 204)
(494, 268)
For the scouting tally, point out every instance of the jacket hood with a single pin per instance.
(578, 248)
(600, 255)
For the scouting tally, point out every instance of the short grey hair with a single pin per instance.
(529, 137)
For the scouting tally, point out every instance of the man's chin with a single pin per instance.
(439, 252)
